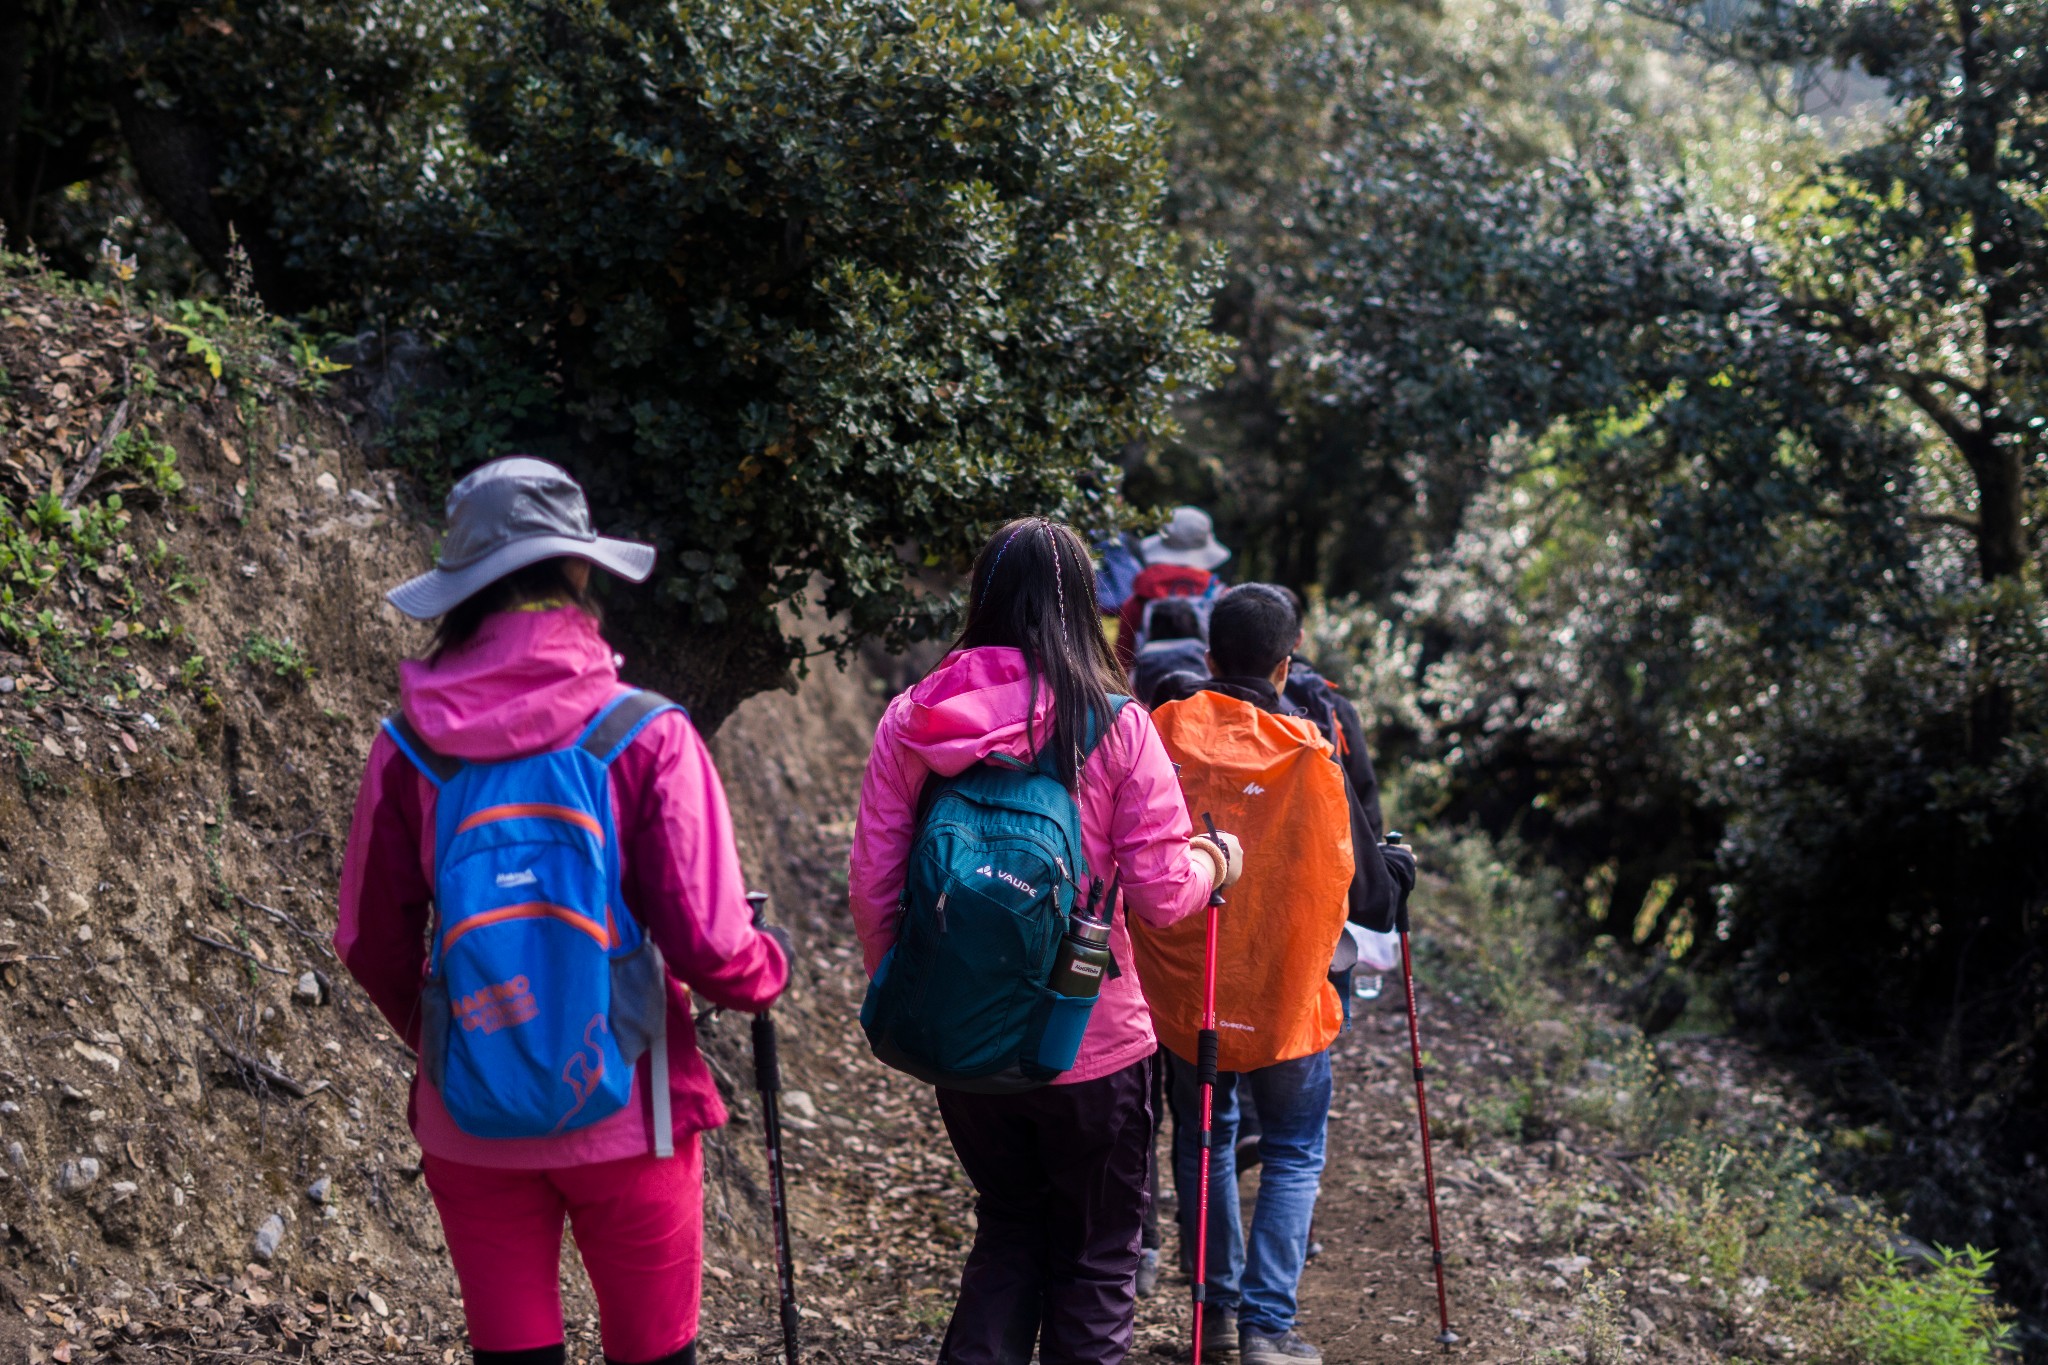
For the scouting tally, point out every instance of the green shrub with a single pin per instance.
(1758, 1207)
(152, 458)
(812, 293)
(1939, 1314)
(279, 658)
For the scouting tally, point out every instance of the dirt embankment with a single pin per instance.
(202, 1135)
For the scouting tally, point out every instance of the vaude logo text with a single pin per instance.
(985, 870)
(1254, 789)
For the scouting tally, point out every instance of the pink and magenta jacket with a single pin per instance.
(1133, 820)
(530, 681)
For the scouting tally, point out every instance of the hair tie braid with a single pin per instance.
(1005, 549)
(1058, 580)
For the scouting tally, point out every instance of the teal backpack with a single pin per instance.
(961, 1000)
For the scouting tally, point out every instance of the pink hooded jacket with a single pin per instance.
(530, 681)
(1133, 821)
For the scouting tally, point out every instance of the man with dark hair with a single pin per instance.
(1176, 645)
(1253, 629)
(1243, 748)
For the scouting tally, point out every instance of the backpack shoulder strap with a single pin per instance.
(439, 768)
(1045, 763)
(620, 723)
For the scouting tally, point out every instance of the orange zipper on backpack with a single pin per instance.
(605, 935)
(529, 810)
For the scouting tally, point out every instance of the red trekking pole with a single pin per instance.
(1445, 1337)
(1205, 1072)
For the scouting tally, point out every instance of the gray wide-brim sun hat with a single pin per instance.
(504, 516)
(1189, 539)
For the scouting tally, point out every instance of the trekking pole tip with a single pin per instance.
(1447, 1339)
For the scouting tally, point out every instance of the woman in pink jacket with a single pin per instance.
(1059, 1172)
(518, 668)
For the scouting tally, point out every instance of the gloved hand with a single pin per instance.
(1400, 861)
(1227, 861)
(782, 941)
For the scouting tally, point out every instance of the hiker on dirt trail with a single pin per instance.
(1176, 645)
(1180, 561)
(1059, 1170)
(540, 871)
(1272, 777)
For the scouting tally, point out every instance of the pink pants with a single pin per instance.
(639, 1225)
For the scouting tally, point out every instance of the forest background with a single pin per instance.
(1648, 397)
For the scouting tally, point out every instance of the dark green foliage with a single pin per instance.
(1709, 627)
(1924, 252)
(56, 124)
(295, 127)
(804, 289)
(1465, 299)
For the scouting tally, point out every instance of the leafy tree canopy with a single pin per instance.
(812, 294)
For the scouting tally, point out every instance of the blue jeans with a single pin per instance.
(1293, 1101)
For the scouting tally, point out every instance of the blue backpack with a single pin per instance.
(961, 999)
(542, 990)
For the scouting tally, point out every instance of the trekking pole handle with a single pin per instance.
(767, 1063)
(759, 901)
(1216, 891)
(1394, 840)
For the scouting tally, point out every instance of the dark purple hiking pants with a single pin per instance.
(1059, 1175)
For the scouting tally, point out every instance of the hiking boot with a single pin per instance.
(1148, 1272)
(1287, 1348)
(1219, 1334)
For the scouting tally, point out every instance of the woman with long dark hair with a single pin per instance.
(1059, 1172)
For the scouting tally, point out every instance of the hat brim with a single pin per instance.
(438, 591)
(1157, 551)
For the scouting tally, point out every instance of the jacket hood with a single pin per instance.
(972, 705)
(1260, 692)
(527, 681)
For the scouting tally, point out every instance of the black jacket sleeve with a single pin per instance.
(1357, 760)
(1374, 897)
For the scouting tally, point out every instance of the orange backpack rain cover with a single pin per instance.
(1270, 781)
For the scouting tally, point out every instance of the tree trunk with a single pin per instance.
(2001, 509)
(709, 669)
(1994, 456)
(14, 211)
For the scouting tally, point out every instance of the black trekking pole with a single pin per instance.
(768, 1081)
(1445, 1337)
(1205, 1074)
